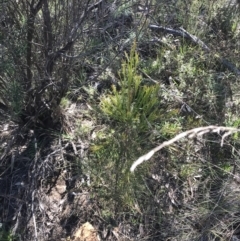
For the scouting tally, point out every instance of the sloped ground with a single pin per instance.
(47, 191)
(43, 192)
(46, 195)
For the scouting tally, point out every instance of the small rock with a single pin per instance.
(86, 233)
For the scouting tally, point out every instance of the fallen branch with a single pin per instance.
(196, 40)
(189, 134)
(168, 30)
(184, 34)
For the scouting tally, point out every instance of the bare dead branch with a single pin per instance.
(195, 39)
(184, 34)
(30, 32)
(167, 30)
(73, 35)
(47, 28)
(189, 134)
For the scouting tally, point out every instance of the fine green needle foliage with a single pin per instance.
(131, 114)
(6, 236)
(134, 104)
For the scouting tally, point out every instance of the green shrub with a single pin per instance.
(135, 104)
(5, 235)
(131, 113)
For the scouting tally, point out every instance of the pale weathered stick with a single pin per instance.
(190, 134)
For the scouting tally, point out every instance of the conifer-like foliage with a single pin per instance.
(130, 113)
(134, 104)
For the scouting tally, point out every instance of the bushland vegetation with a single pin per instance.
(87, 87)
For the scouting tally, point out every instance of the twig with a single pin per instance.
(190, 134)
(33, 217)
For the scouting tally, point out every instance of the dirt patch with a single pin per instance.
(43, 193)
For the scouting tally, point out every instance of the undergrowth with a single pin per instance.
(124, 88)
